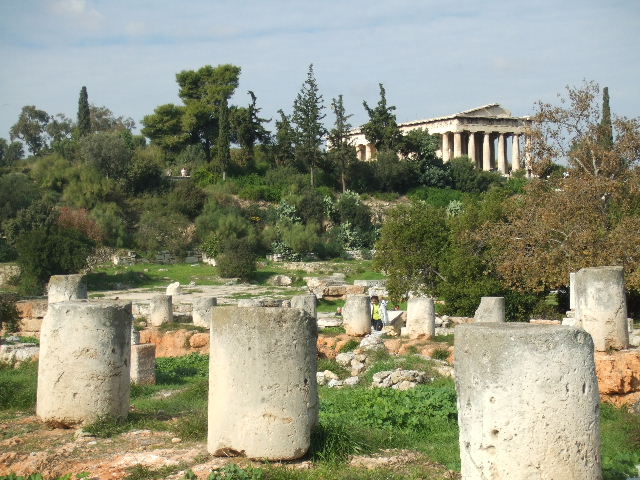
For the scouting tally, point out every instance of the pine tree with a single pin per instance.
(284, 147)
(382, 129)
(223, 154)
(606, 126)
(342, 151)
(84, 117)
(307, 117)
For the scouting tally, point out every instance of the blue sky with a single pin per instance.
(433, 57)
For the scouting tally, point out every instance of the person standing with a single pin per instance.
(376, 313)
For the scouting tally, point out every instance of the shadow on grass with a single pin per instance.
(102, 281)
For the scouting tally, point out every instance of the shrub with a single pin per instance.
(260, 192)
(9, 317)
(350, 346)
(160, 230)
(18, 386)
(187, 198)
(438, 197)
(238, 259)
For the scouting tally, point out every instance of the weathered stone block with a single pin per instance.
(528, 404)
(66, 287)
(83, 373)
(143, 364)
(263, 398)
(421, 317)
(201, 312)
(356, 315)
(160, 310)
(305, 302)
(491, 310)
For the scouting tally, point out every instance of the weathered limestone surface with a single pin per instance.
(356, 315)
(528, 402)
(67, 287)
(263, 398)
(201, 312)
(83, 371)
(160, 310)
(31, 314)
(491, 310)
(174, 289)
(601, 306)
(421, 317)
(143, 364)
(306, 303)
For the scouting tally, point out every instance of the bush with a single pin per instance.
(187, 198)
(161, 230)
(438, 197)
(18, 386)
(260, 192)
(237, 260)
(9, 316)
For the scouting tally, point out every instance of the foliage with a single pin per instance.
(247, 128)
(382, 129)
(9, 316)
(231, 471)
(438, 197)
(307, 118)
(466, 178)
(164, 128)
(223, 155)
(18, 386)
(144, 172)
(412, 240)
(620, 434)
(187, 198)
(31, 128)
(393, 174)
(17, 192)
(104, 120)
(80, 220)
(46, 252)
(350, 346)
(341, 152)
(284, 142)
(84, 116)
(237, 260)
(161, 230)
(108, 152)
(211, 246)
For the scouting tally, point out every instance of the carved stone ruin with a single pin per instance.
(66, 287)
(160, 310)
(263, 398)
(528, 403)
(201, 313)
(305, 302)
(421, 317)
(83, 372)
(356, 315)
(143, 364)
(491, 310)
(601, 306)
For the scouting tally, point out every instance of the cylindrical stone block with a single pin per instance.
(491, 310)
(601, 306)
(160, 310)
(143, 364)
(421, 317)
(356, 315)
(305, 302)
(83, 372)
(201, 312)
(572, 291)
(263, 397)
(63, 288)
(528, 402)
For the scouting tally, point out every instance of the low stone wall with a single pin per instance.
(176, 343)
(31, 314)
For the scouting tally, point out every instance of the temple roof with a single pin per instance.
(491, 110)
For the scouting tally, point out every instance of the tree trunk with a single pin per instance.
(344, 184)
(312, 179)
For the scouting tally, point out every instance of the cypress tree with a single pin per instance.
(223, 154)
(605, 123)
(84, 117)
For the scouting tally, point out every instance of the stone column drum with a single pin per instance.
(201, 312)
(356, 315)
(421, 317)
(263, 397)
(160, 310)
(306, 303)
(528, 402)
(83, 372)
(66, 287)
(490, 310)
(601, 306)
(143, 364)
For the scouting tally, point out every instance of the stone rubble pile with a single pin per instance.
(399, 379)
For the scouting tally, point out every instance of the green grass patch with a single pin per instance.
(444, 338)
(169, 327)
(620, 442)
(332, 365)
(332, 331)
(17, 339)
(18, 386)
(142, 472)
(350, 346)
(329, 306)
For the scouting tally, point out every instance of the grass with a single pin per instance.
(329, 306)
(18, 387)
(20, 339)
(332, 365)
(332, 331)
(350, 346)
(620, 442)
(444, 338)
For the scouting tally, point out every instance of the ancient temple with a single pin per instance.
(484, 134)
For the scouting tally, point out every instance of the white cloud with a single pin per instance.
(79, 11)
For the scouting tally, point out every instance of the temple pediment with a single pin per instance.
(491, 110)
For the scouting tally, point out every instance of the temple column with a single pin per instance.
(457, 144)
(515, 153)
(445, 147)
(502, 154)
(471, 148)
(486, 152)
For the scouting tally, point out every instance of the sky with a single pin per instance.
(434, 57)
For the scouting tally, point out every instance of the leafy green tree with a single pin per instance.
(382, 129)
(104, 120)
(84, 114)
(284, 146)
(31, 128)
(223, 153)
(248, 129)
(144, 172)
(17, 191)
(307, 117)
(412, 240)
(238, 259)
(10, 153)
(60, 131)
(164, 127)
(342, 152)
(108, 152)
(112, 221)
(187, 198)
(163, 230)
(39, 214)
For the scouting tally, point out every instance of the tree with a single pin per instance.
(284, 147)
(412, 240)
(223, 154)
(382, 129)
(165, 128)
(574, 131)
(342, 151)
(247, 128)
(307, 117)
(13, 152)
(108, 152)
(202, 92)
(17, 191)
(104, 120)
(84, 114)
(31, 128)
(607, 127)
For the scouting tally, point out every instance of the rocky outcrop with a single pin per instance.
(176, 343)
(619, 376)
(399, 379)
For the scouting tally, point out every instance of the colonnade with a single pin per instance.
(483, 151)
